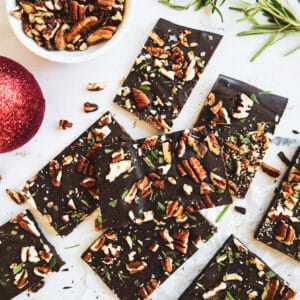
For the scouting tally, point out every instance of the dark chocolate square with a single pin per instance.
(26, 257)
(237, 273)
(134, 259)
(65, 191)
(244, 118)
(280, 227)
(165, 72)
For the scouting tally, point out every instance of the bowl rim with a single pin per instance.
(63, 56)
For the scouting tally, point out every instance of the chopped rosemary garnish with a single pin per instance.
(198, 4)
(222, 213)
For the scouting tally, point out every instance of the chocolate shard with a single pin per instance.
(65, 191)
(237, 273)
(244, 119)
(280, 228)
(26, 257)
(165, 72)
(135, 259)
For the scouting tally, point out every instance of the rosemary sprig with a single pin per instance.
(198, 4)
(280, 22)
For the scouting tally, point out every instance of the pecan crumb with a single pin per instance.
(64, 124)
(95, 86)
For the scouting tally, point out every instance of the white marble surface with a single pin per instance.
(64, 89)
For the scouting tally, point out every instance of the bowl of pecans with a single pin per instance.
(69, 31)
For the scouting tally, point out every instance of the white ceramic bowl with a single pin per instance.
(70, 56)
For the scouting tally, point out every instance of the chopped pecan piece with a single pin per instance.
(213, 144)
(18, 198)
(205, 188)
(88, 182)
(42, 271)
(294, 175)
(219, 182)
(90, 107)
(103, 33)
(156, 38)
(55, 172)
(95, 86)
(158, 52)
(174, 209)
(167, 264)
(270, 290)
(244, 105)
(21, 279)
(64, 124)
(177, 55)
(141, 99)
(98, 244)
(166, 147)
(216, 108)
(197, 146)
(136, 266)
(181, 148)
(211, 99)
(148, 288)
(285, 233)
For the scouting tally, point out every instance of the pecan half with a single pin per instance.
(81, 27)
(185, 163)
(181, 239)
(60, 37)
(103, 33)
(198, 168)
(136, 266)
(141, 99)
(149, 142)
(285, 233)
(174, 208)
(148, 288)
(42, 271)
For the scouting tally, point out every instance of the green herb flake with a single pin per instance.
(125, 193)
(85, 203)
(108, 150)
(52, 263)
(270, 274)
(222, 213)
(99, 219)
(18, 268)
(2, 283)
(113, 203)
(145, 87)
(192, 217)
(72, 247)
(254, 98)
(229, 296)
(161, 206)
(107, 275)
(265, 92)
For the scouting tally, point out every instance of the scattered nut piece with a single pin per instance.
(90, 107)
(64, 124)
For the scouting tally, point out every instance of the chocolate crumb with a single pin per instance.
(295, 131)
(67, 287)
(65, 270)
(283, 158)
(241, 210)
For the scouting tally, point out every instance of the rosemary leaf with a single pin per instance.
(222, 213)
(280, 21)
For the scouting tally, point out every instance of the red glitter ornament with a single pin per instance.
(22, 105)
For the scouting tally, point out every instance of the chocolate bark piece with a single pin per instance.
(119, 175)
(64, 191)
(190, 164)
(133, 260)
(244, 118)
(26, 257)
(165, 72)
(280, 227)
(237, 273)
